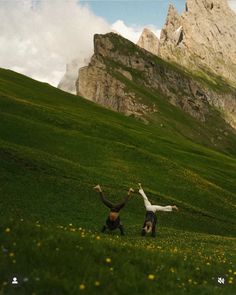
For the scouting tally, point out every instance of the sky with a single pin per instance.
(39, 37)
(132, 12)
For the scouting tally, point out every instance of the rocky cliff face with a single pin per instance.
(149, 41)
(99, 82)
(203, 37)
(68, 81)
(117, 62)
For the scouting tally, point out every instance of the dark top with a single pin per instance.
(151, 216)
(113, 224)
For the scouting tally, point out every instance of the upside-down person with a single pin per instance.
(150, 218)
(113, 220)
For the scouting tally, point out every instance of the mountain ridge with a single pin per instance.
(117, 60)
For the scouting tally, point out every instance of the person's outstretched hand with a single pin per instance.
(98, 188)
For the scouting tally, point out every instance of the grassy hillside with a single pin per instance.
(54, 147)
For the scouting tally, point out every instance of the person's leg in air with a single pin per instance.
(154, 208)
(142, 193)
(119, 206)
(103, 198)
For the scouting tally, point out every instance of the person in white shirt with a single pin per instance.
(150, 218)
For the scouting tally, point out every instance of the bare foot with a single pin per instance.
(140, 186)
(98, 188)
(174, 207)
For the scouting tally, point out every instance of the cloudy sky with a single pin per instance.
(38, 37)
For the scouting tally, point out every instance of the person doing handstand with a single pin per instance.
(113, 220)
(150, 218)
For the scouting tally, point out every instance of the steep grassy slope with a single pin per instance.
(55, 146)
(124, 77)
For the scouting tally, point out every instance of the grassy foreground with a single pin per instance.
(69, 260)
(54, 147)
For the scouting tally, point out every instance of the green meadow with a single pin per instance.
(54, 147)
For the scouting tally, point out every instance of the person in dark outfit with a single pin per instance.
(150, 218)
(113, 220)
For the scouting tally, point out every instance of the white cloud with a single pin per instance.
(38, 38)
(132, 32)
(39, 41)
(232, 4)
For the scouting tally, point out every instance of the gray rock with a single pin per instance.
(115, 57)
(149, 41)
(202, 38)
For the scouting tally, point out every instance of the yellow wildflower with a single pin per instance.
(81, 286)
(7, 230)
(151, 277)
(108, 260)
(97, 283)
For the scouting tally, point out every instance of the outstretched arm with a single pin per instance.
(118, 207)
(103, 198)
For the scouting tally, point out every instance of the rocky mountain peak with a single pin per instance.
(203, 37)
(118, 66)
(206, 5)
(149, 41)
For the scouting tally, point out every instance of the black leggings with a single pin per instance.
(113, 207)
(112, 225)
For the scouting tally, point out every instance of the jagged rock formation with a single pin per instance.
(118, 62)
(68, 81)
(203, 37)
(149, 41)
(97, 83)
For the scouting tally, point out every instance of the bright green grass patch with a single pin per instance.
(55, 147)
